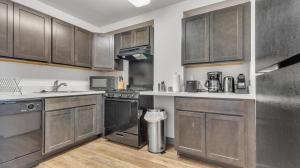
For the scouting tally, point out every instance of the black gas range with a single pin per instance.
(122, 94)
(124, 116)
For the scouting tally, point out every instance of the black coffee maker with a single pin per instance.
(214, 82)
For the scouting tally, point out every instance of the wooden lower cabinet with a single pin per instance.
(59, 129)
(68, 120)
(216, 130)
(225, 140)
(85, 122)
(65, 127)
(190, 132)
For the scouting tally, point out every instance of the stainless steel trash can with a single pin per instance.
(156, 127)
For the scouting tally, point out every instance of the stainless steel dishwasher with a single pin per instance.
(20, 133)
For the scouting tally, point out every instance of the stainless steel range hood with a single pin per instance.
(135, 53)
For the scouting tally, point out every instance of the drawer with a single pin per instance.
(69, 102)
(232, 106)
(124, 138)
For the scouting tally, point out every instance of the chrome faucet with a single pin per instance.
(56, 86)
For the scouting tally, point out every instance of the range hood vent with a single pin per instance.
(136, 53)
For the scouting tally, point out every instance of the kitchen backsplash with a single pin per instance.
(200, 73)
(35, 78)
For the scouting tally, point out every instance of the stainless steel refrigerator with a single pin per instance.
(278, 83)
(278, 117)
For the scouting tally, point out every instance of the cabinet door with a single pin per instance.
(141, 36)
(190, 133)
(277, 31)
(62, 42)
(83, 46)
(32, 34)
(195, 39)
(103, 55)
(59, 129)
(6, 28)
(225, 139)
(85, 122)
(226, 34)
(126, 40)
(117, 44)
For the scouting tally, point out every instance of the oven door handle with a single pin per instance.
(122, 100)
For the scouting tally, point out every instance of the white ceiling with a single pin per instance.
(104, 12)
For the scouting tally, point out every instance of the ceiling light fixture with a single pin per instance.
(139, 3)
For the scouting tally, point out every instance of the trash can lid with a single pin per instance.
(155, 110)
(155, 116)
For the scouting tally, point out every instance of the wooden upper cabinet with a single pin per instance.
(32, 34)
(83, 44)
(6, 28)
(195, 39)
(117, 44)
(225, 139)
(103, 52)
(135, 38)
(141, 36)
(62, 42)
(217, 36)
(190, 132)
(127, 40)
(226, 34)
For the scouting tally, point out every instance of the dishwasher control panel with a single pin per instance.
(20, 106)
(32, 106)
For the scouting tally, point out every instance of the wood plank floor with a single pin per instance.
(105, 154)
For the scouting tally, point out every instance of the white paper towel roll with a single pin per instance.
(176, 82)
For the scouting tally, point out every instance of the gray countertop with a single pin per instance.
(7, 97)
(200, 95)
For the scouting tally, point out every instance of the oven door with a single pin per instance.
(121, 115)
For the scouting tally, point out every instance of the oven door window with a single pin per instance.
(121, 116)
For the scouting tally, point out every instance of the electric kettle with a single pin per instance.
(228, 84)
